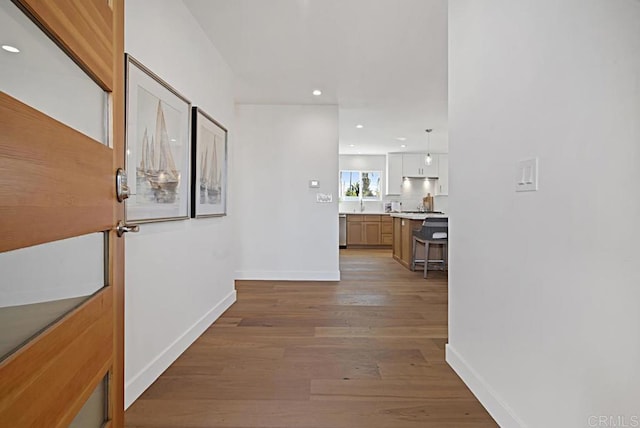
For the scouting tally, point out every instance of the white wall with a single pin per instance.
(179, 275)
(545, 286)
(282, 232)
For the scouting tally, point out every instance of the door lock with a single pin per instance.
(122, 187)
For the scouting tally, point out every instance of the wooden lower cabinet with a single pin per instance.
(403, 239)
(403, 242)
(386, 233)
(368, 230)
(354, 233)
(371, 231)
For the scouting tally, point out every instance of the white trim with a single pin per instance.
(288, 275)
(141, 381)
(497, 408)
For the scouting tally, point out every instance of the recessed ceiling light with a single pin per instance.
(401, 138)
(359, 153)
(11, 49)
(403, 145)
(317, 92)
(352, 145)
(359, 126)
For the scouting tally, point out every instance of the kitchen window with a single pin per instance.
(360, 185)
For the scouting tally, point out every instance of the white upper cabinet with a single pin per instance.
(413, 165)
(394, 174)
(442, 185)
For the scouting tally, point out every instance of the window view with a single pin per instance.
(370, 185)
(356, 185)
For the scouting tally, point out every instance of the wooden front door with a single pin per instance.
(57, 184)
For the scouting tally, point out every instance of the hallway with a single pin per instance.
(367, 351)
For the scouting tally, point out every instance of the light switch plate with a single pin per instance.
(527, 175)
(324, 197)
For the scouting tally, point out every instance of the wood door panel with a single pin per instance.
(84, 28)
(56, 182)
(371, 232)
(63, 366)
(355, 233)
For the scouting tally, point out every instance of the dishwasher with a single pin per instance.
(342, 226)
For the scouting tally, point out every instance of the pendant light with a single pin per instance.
(428, 159)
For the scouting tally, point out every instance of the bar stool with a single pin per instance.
(434, 231)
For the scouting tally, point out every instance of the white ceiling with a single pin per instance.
(384, 62)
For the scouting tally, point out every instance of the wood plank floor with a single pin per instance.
(367, 351)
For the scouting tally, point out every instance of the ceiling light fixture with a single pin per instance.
(401, 138)
(403, 145)
(359, 126)
(317, 92)
(10, 48)
(428, 159)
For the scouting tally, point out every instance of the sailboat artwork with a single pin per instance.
(158, 150)
(210, 168)
(209, 189)
(157, 176)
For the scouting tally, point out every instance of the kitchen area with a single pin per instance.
(384, 198)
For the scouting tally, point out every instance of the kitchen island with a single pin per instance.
(402, 245)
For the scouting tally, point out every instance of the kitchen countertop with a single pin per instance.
(416, 216)
(365, 213)
(411, 216)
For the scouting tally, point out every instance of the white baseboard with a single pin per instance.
(142, 380)
(288, 275)
(497, 408)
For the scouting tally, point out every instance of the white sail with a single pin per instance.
(166, 164)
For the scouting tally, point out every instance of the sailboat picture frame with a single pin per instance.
(209, 166)
(158, 147)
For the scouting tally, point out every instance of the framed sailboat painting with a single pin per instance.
(209, 166)
(158, 147)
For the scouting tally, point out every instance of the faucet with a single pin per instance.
(361, 205)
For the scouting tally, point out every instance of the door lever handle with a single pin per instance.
(123, 228)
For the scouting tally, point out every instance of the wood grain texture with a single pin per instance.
(368, 230)
(63, 366)
(403, 243)
(55, 183)
(83, 28)
(367, 351)
(116, 245)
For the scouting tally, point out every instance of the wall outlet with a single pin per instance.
(324, 197)
(527, 176)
